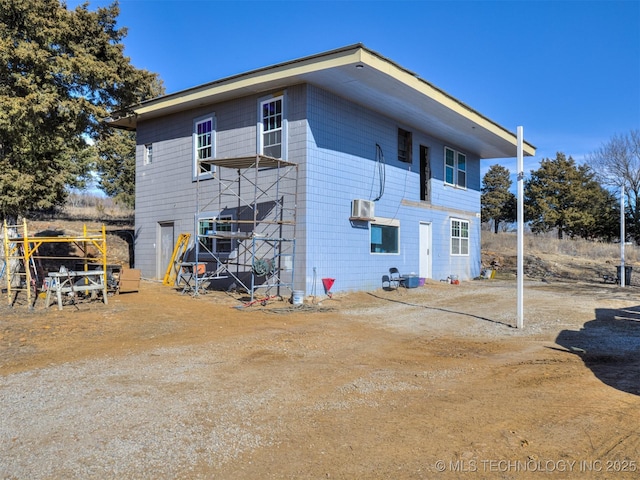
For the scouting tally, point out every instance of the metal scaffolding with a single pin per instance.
(247, 227)
(22, 269)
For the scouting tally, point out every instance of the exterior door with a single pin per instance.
(425, 250)
(167, 244)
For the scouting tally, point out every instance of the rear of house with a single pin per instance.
(387, 174)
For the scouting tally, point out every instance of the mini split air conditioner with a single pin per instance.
(362, 210)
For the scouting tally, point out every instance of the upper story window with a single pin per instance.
(148, 153)
(405, 146)
(272, 127)
(455, 168)
(459, 237)
(204, 145)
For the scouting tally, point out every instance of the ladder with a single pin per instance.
(176, 259)
(19, 267)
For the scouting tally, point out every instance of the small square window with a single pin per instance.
(384, 238)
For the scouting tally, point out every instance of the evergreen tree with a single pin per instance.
(566, 196)
(61, 73)
(116, 166)
(498, 203)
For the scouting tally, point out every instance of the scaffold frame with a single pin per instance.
(254, 209)
(20, 254)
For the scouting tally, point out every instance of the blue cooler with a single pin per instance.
(411, 281)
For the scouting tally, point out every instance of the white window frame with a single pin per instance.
(206, 243)
(197, 147)
(282, 129)
(459, 241)
(148, 154)
(382, 223)
(206, 222)
(458, 169)
(226, 226)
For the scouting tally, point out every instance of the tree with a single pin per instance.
(617, 164)
(61, 73)
(116, 160)
(116, 166)
(566, 196)
(498, 203)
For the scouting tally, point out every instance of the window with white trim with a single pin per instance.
(208, 230)
(455, 168)
(148, 153)
(459, 237)
(223, 225)
(271, 125)
(385, 236)
(204, 145)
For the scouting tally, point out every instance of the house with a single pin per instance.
(354, 165)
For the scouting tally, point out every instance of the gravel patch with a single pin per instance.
(127, 417)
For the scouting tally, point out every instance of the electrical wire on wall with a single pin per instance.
(381, 167)
(404, 191)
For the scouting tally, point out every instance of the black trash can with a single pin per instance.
(627, 274)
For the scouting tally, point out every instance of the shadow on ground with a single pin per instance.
(609, 346)
(445, 310)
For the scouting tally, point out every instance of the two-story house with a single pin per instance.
(338, 165)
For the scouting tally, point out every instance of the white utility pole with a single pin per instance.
(520, 220)
(622, 237)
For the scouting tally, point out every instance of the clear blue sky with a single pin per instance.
(567, 71)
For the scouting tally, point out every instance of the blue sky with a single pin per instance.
(567, 71)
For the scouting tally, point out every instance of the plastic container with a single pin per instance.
(421, 281)
(298, 297)
(411, 281)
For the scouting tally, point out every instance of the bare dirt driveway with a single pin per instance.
(432, 382)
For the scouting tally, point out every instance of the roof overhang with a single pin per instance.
(359, 75)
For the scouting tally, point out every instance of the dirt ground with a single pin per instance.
(431, 382)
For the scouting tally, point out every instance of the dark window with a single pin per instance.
(404, 146)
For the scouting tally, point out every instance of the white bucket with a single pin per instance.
(297, 297)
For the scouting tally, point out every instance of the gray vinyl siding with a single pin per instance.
(166, 190)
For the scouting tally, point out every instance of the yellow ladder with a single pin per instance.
(176, 258)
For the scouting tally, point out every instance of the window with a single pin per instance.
(223, 225)
(455, 168)
(148, 153)
(459, 237)
(203, 134)
(405, 149)
(385, 236)
(271, 114)
(207, 227)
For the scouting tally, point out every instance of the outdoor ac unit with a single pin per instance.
(362, 209)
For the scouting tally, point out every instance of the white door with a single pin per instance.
(425, 250)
